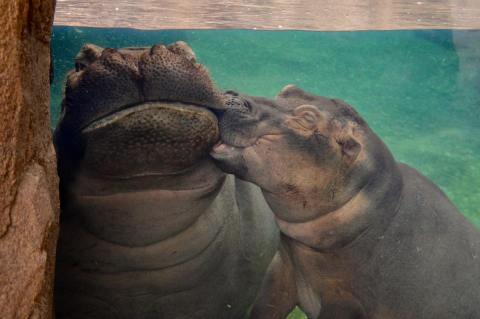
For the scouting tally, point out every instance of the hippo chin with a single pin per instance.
(363, 236)
(150, 227)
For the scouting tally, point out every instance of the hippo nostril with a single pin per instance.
(79, 66)
(232, 93)
(235, 102)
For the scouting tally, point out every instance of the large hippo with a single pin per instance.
(150, 227)
(363, 236)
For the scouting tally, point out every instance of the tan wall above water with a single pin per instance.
(272, 14)
(28, 180)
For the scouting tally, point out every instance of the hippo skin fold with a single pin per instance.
(363, 236)
(150, 227)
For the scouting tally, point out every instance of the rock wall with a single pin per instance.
(29, 202)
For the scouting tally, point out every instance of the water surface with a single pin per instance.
(325, 15)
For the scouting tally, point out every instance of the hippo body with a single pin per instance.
(206, 266)
(150, 227)
(363, 236)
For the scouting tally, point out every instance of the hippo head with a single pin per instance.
(298, 146)
(137, 111)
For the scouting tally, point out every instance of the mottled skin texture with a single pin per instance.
(363, 236)
(150, 227)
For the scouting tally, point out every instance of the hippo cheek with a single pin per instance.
(151, 138)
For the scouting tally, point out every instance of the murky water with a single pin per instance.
(419, 90)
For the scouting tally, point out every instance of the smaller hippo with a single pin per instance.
(363, 236)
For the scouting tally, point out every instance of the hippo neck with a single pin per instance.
(372, 206)
(143, 210)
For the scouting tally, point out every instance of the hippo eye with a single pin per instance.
(247, 105)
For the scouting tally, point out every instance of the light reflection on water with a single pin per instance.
(271, 14)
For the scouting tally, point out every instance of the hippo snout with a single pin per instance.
(138, 110)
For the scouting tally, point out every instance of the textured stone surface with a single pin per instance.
(28, 182)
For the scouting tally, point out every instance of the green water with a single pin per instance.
(419, 90)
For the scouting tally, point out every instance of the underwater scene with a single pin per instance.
(418, 90)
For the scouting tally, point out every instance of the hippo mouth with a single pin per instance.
(150, 138)
(226, 151)
(222, 151)
(230, 143)
(138, 110)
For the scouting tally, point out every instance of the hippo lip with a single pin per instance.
(224, 152)
(142, 106)
(220, 146)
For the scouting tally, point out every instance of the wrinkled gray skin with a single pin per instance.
(150, 227)
(363, 236)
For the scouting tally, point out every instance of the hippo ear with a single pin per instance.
(182, 48)
(305, 117)
(88, 54)
(350, 147)
(289, 91)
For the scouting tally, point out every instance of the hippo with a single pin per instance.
(150, 227)
(362, 235)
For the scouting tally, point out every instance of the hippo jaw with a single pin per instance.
(153, 138)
